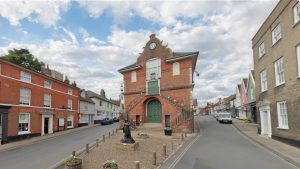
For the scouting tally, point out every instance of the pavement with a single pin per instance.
(285, 151)
(20, 143)
(231, 146)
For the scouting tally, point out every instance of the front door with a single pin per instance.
(265, 122)
(154, 111)
(46, 124)
(137, 120)
(0, 126)
(254, 115)
(91, 119)
(167, 121)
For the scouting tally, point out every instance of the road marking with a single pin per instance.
(183, 152)
(266, 150)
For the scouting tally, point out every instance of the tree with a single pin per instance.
(24, 58)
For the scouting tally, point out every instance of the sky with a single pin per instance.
(88, 41)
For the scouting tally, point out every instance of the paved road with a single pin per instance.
(45, 153)
(221, 146)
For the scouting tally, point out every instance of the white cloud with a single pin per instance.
(220, 31)
(3, 37)
(93, 40)
(47, 12)
(84, 32)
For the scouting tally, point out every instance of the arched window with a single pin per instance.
(176, 69)
(133, 76)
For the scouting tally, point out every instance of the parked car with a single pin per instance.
(225, 118)
(105, 121)
(217, 117)
(111, 121)
(116, 119)
(203, 114)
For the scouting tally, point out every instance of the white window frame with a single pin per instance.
(261, 49)
(251, 92)
(70, 120)
(86, 106)
(297, 13)
(298, 58)
(47, 83)
(282, 115)
(176, 68)
(263, 79)
(70, 104)
(25, 76)
(70, 91)
(279, 71)
(46, 96)
(276, 34)
(25, 95)
(24, 132)
(99, 113)
(133, 76)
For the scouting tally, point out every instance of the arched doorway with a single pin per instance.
(154, 111)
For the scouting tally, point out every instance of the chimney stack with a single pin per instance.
(47, 71)
(67, 80)
(102, 93)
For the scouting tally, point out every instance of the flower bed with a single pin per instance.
(142, 136)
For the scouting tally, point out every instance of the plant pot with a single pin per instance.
(111, 168)
(75, 166)
(168, 132)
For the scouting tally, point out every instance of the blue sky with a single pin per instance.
(90, 40)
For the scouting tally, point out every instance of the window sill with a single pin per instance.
(263, 91)
(25, 105)
(279, 84)
(70, 127)
(297, 23)
(176, 75)
(283, 128)
(24, 132)
(261, 56)
(276, 42)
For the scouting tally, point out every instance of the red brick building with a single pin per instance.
(158, 86)
(31, 103)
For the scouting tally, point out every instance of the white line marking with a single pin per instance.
(184, 151)
(266, 150)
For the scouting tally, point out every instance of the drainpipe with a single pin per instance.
(78, 112)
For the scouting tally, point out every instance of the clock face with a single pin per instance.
(152, 45)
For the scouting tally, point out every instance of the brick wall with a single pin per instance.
(285, 47)
(10, 85)
(185, 127)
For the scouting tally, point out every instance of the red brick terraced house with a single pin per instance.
(158, 87)
(32, 103)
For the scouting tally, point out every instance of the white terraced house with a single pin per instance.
(104, 107)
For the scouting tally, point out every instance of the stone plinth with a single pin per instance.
(127, 147)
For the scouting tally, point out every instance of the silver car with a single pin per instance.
(225, 118)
